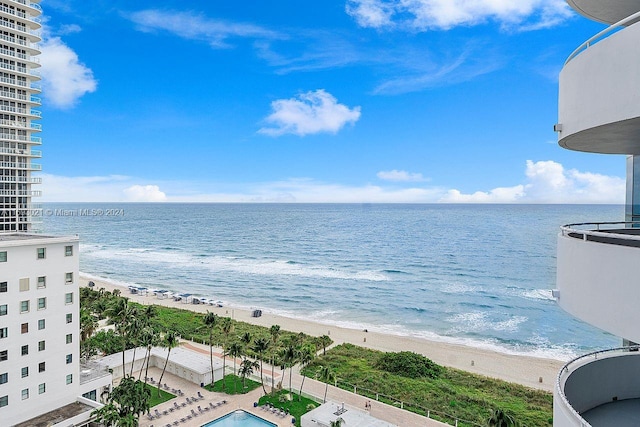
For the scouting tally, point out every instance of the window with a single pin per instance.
(25, 350)
(40, 324)
(25, 372)
(4, 401)
(69, 358)
(3, 256)
(4, 355)
(3, 310)
(3, 286)
(68, 298)
(4, 378)
(68, 251)
(24, 284)
(42, 303)
(69, 378)
(25, 394)
(69, 338)
(91, 395)
(41, 345)
(4, 332)
(24, 306)
(24, 328)
(42, 282)
(68, 277)
(41, 366)
(69, 317)
(42, 388)
(41, 253)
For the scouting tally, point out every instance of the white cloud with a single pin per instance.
(400, 176)
(309, 113)
(144, 193)
(64, 78)
(550, 182)
(69, 29)
(424, 15)
(196, 27)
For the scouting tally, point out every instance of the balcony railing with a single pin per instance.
(30, 193)
(35, 6)
(622, 233)
(24, 179)
(20, 28)
(19, 55)
(603, 35)
(14, 165)
(19, 14)
(571, 366)
(20, 42)
(20, 152)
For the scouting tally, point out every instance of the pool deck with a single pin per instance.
(245, 402)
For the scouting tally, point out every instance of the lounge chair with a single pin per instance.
(211, 405)
(200, 395)
(194, 413)
(150, 417)
(199, 408)
(158, 414)
(175, 423)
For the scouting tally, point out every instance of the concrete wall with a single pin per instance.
(598, 284)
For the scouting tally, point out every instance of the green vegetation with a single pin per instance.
(125, 404)
(453, 394)
(232, 384)
(408, 364)
(155, 400)
(295, 404)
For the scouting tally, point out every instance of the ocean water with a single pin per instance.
(471, 274)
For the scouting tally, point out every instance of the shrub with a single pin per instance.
(409, 364)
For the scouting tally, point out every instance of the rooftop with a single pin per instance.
(352, 417)
(57, 416)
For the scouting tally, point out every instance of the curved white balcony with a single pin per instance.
(608, 12)
(4, 178)
(14, 165)
(28, 193)
(599, 389)
(20, 152)
(35, 7)
(33, 35)
(33, 48)
(599, 101)
(597, 275)
(12, 13)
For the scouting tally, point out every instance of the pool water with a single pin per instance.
(239, 419)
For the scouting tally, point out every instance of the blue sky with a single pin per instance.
(315, 101)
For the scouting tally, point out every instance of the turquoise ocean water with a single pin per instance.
(471, 274)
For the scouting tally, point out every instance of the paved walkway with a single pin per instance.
(391, 414)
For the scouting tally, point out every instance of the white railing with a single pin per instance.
(20, 152)
(35, 6)
(32, 193)
(20, 179)
(20, 42)
(20, 28)
(19, 14)
(602, 35)
(15, 54)
(599, 227)
(567, 369)
(13, 165)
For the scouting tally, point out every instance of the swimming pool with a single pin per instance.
(239, 419)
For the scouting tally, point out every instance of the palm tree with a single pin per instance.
(118, 313)
(275, 337)
(327, 375)
(289, 356)
(148, 338)
(235, 351)
(210, 320)
(88, 324)
(325, 340)
(261, 345)
(226, 325)
(133, 328)
(246, 368)
(305, 356)
(170, 341)
(499, 418)
(246, 339)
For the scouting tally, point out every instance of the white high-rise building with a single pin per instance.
(19, 36)
(597, 275)
(41, 377)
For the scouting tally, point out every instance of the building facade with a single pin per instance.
(599, 112)
(19, 37)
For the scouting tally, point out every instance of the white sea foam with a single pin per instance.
(263, 267)
(481, 321)
(541, 294)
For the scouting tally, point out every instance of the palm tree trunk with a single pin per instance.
(290, 375)
(326, 387)
(144, 360)
(272, 374)
(211, 356)
(133, 362)
(301, 385)
(261, 380)
(146, 371)
(163, 369)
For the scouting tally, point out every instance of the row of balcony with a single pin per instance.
(23, 179)
(26, 3)
(25, 111)
(18, 69)
(26, 166)
(29, 193)
(20, 152)
(29, 139)
(23, 125)
(14, 54)
(22, 83)
(22, 43)
(20, 97)
(25, 30)
(35, 19)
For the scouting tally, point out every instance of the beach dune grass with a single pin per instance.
(454, 394)
(288, 401)
(233, 385)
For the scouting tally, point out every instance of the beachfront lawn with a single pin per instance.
(452, 394)
(233, 385)
(289, 402)
(155, 400)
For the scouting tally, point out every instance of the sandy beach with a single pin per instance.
(529, 371)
